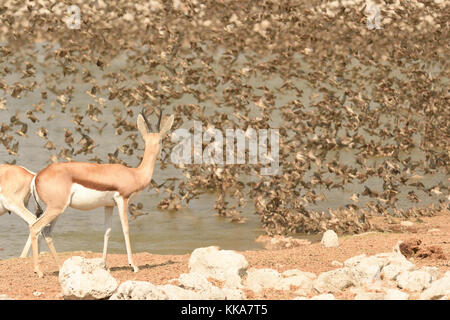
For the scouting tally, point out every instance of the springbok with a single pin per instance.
(85, 186)
(15, 193)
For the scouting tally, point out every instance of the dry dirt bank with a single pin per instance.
(18, 281)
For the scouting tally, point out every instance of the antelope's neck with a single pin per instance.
(145, 168)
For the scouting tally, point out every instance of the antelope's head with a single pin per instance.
(153, 139)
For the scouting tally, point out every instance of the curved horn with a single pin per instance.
(159, 119)
(146, 120)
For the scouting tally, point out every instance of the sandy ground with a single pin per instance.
(18, 281)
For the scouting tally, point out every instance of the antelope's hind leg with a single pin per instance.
(26, 248)
(47, 233)
(46, 219)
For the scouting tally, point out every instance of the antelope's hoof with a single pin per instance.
(135, 269)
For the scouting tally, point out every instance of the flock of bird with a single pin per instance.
(335, 90)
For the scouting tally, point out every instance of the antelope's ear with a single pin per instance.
(142, 126)
(166, 125)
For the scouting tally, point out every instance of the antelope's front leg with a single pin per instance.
(108, 225)
(26, 215)
(122, 206)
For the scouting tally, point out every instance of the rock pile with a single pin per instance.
(384, 276)
(83, 279)
(223, 265)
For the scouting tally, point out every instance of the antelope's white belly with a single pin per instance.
(3, 210)
(83, 198)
